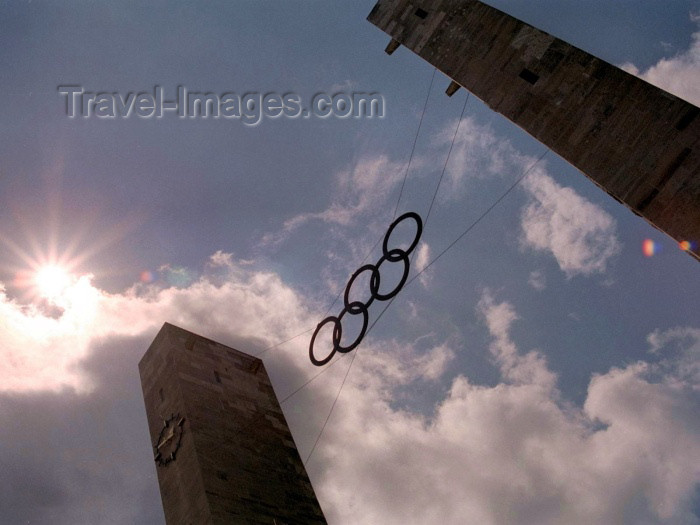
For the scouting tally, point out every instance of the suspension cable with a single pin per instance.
(398, 200)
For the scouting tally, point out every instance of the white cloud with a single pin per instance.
(680, 347)
(422, 260)
(478, 153)
(537, 280)
(395, 364)
(359, 192)
(363, 190)
(679, 75)
(41, 353)
(512, 453)
(364, 194)
(530, 368)
(579, 234)
(508, 453)
(648, 442)
(221, 259)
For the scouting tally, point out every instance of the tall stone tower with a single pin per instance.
(222, 448)
(635, 141)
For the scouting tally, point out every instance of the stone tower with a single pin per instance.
(222, 448)
(635, 141)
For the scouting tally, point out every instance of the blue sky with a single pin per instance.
(543, 370)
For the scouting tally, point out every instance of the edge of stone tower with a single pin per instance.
(635, 141)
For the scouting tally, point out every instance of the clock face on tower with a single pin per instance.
(168, 441)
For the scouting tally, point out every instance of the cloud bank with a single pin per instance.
(678, 74)
(513, 452)
(579, 234)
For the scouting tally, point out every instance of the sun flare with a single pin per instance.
(51, 281)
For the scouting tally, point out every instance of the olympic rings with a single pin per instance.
(374, 283)
(346, 296)
(419, 232)
(338, 328)
(323, 361)
(358, 307)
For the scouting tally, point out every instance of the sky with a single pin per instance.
(545, 369)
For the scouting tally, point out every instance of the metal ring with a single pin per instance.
(419, 232)
(338, 329)
(337, 326)
(346, 297)
(394, 255)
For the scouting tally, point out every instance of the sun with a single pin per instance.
(55, 285)
(51, 281)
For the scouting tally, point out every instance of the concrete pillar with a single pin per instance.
(637, 142)
(222, 448)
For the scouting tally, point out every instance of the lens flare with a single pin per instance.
(686, 245)
(146, 276)
(650, 248)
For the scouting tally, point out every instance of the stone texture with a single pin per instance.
(237, 463)
(635, 141)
